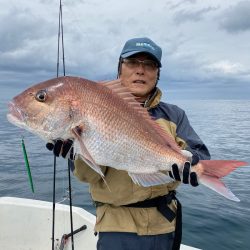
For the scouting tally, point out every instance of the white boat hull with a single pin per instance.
(26, 224)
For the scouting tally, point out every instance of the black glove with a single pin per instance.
(61, 148)
(187, 176)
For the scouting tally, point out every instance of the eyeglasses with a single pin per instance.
(132, 63)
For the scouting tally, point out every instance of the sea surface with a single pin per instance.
(210, 221)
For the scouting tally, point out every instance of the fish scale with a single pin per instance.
(109, 123)
(116, 148)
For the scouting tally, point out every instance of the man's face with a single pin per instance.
(138, 78)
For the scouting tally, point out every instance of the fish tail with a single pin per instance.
(213, 170)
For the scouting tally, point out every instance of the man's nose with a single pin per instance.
(140, 69)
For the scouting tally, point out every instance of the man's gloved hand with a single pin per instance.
(187, 175)
(62, 148)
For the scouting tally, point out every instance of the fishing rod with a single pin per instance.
(60, 35)
(54, 165)
(60, 32)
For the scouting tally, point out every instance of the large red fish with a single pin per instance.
(110, 128)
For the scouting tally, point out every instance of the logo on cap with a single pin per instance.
(145, 45)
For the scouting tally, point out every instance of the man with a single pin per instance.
(135, 217)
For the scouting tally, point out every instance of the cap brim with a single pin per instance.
(131, 53)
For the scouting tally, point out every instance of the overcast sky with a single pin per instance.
(205, 43)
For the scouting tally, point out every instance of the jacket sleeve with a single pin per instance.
(194, 144)
(85, 173)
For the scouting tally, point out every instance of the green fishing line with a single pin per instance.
(27, 166)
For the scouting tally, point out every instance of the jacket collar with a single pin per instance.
(154, 99)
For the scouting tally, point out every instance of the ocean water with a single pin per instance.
(210, 221)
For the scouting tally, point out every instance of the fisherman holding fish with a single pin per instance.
(130, 216)
(132, 161)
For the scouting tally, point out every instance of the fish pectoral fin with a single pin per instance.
(151, 179)
(84, 153)
(91, 164)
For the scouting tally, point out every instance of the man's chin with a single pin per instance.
(140, 97)
(136, 92)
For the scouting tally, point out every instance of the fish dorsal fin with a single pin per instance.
(125, 94)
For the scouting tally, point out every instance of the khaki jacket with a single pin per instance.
(112, 216)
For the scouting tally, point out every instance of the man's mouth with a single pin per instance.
(139, 81)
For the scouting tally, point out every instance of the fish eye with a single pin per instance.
(41, 96)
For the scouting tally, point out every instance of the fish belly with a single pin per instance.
(125, 153)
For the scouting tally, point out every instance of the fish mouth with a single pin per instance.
(15, 115)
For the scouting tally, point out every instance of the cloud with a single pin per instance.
(226, 67)
(21, 29)
(192, 69)
(95, 31)
(182, 16)
(176, 4)
(236, 18)
(25, 36)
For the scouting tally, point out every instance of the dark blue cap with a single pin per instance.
(142, 45)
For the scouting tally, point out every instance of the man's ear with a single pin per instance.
(119, 70)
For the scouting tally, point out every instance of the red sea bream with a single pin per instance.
(109, 128)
